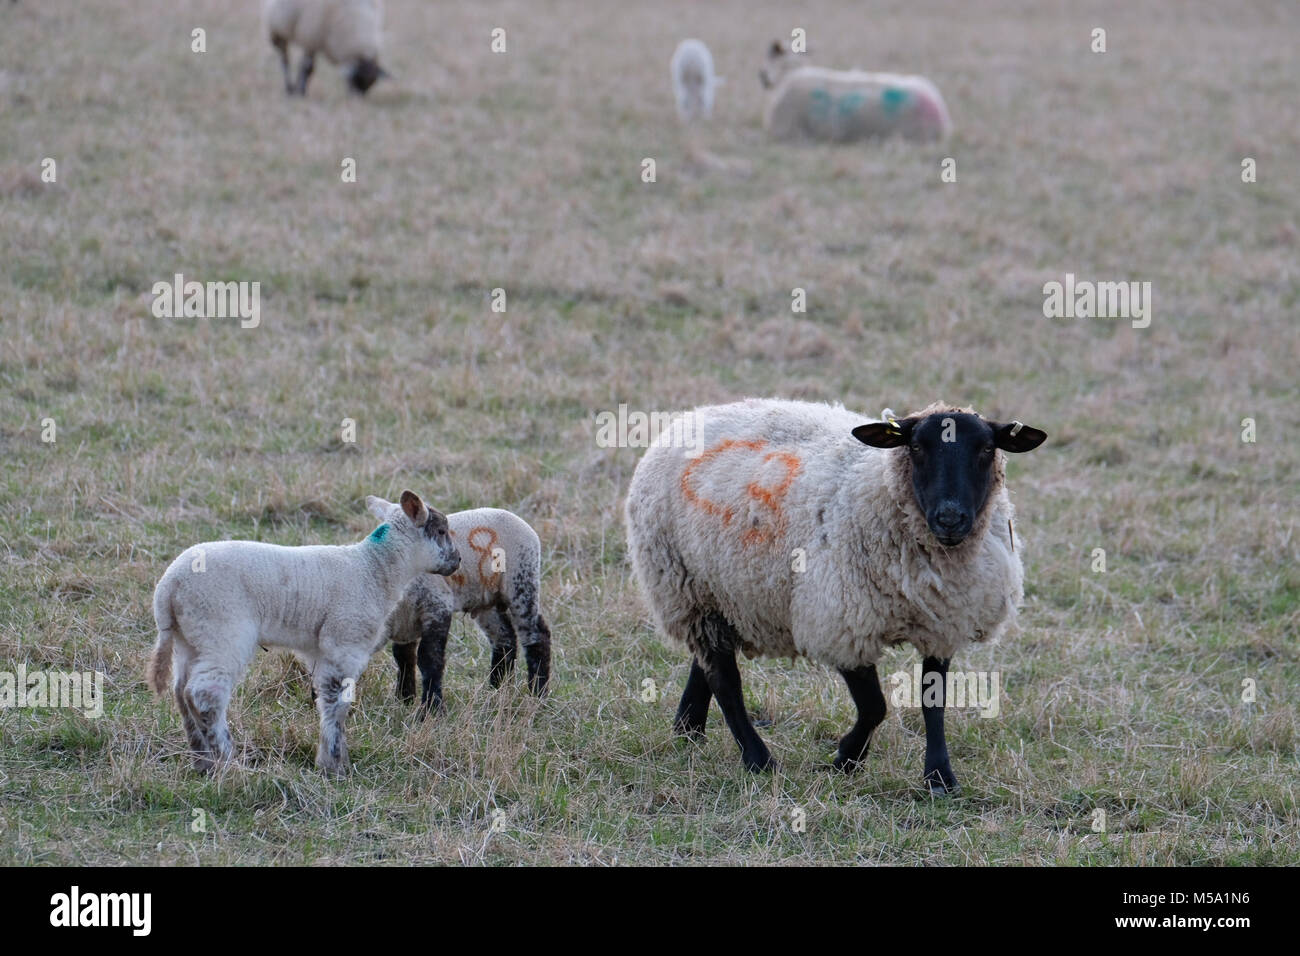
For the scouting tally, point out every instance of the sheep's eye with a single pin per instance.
(988, 449)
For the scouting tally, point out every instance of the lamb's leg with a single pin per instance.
(333, 702)
(537, 652)
(500, 632)
(304, 72)
(404, 654)
(864, 687)
(938, 772)
(210, 736)
(717, 655)
(434, 628)
(693, 711)
(534, 634)
(282, 45)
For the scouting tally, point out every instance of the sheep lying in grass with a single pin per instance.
(498, 585)
(348, 32)
(218, 601)
(804, 529)
(694, 81)
(845, 105)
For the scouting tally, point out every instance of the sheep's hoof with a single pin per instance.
(690, 731)
(942, 783)
(847, 764)
(760, 763)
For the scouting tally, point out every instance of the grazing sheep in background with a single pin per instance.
(803, 529)
(498, 585)
(845, 105)
(694, 81)
(348, 32)
(218, 601)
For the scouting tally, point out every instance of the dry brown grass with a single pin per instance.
(522, 171)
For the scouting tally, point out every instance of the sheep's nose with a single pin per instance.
(951, 519)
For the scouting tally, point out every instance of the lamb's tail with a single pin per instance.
(160, 662)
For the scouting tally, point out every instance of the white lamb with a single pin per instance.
(348, 32)
(694, 81)
(845, 105)
(327, 604)
(805, 529)
(498, 585)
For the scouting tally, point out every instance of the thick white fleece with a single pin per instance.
(782, 485)
(344, 30)
(841, 106)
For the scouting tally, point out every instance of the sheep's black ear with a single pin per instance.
(1017, 437)
(885, 434)
(776, 49)
(413, 506)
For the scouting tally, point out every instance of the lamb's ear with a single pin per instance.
(776, 49)
(414, 507)
(378, 506)
(890, 434)
(1017, 437)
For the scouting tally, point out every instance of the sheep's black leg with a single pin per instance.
(938, 772)
(432, 657)
(282, 44)
(304, 72)
(693, 711)
(864, 686)
(404, 654)
(717, 655)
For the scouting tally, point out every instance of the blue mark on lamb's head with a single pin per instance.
(953, 460)
(380, 534)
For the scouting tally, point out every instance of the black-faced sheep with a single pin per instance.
(327, 604)
(806, 529)
(347, 32)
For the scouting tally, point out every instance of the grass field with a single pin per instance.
(1123, 690)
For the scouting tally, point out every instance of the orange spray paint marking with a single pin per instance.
(491, 579)
(769, 497)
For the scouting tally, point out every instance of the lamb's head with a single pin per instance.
(363, 74)
(412, 524)
(779, 62)
(953, 459)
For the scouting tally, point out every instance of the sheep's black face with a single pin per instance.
(953, 455)
(364, 75)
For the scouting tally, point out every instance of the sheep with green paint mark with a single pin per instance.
(808, 102)
(326, 604)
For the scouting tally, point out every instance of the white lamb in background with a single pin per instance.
(327, 604)
(694, 81)
(499, 585)
(808, 102)
(348, 32)
(806, 529)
